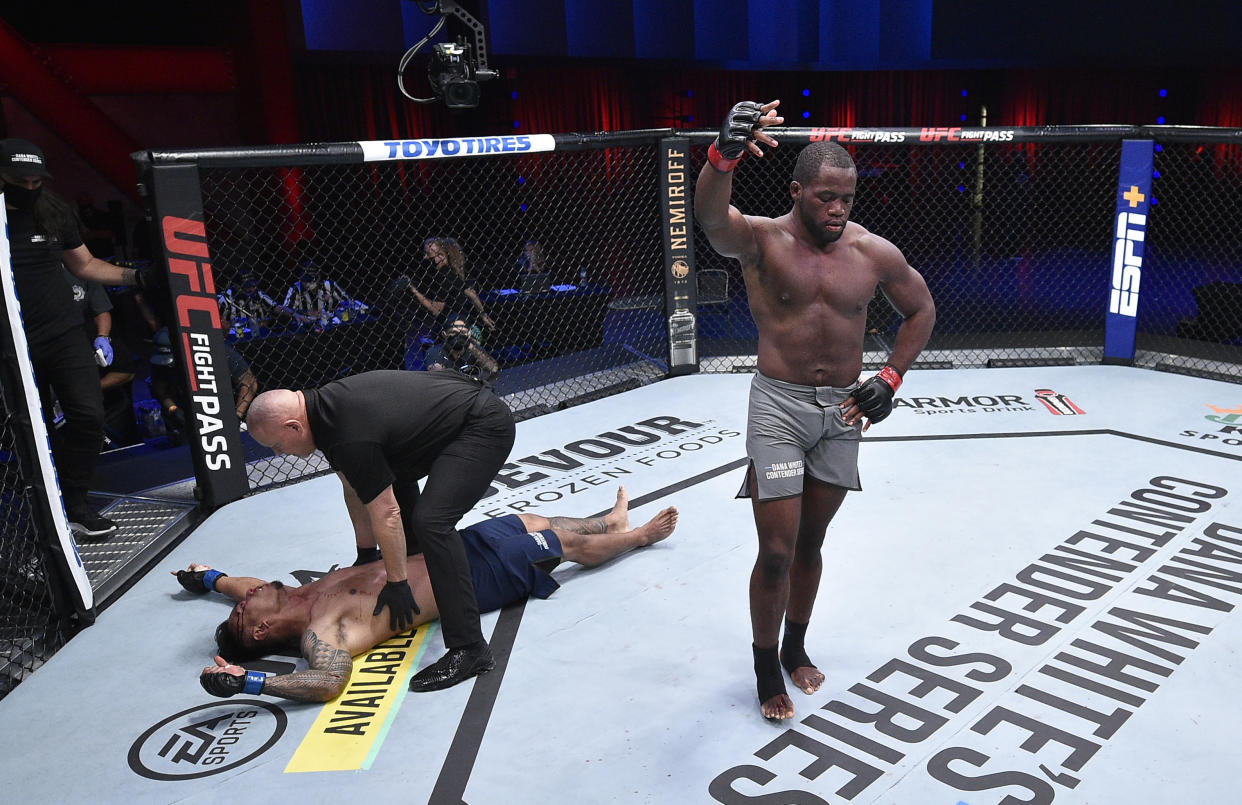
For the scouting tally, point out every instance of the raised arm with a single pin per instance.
(728, 231)
(330, 666)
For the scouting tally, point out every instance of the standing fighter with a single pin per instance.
(382, 432)
(809, 276)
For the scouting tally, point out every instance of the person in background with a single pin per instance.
(530, 261)
(116, 361)
(449, 292)
(315, 300)
(458, 349)
(245, 309)
(45, 237)
(168, 388)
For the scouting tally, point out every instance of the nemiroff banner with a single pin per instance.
(681, 297)
(219, 463)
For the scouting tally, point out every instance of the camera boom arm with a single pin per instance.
(481, 71)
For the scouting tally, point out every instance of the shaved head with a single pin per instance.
(271, 408)
(277, 419)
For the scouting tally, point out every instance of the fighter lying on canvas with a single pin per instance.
(330, 619)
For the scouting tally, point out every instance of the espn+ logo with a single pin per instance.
(1127, 263)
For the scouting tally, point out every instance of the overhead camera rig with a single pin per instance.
(455, 68)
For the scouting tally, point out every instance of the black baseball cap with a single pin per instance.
(20, 157)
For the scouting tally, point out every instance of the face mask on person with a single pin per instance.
(22, 198)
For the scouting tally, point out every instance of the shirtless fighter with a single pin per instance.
(331, 618)
(809, 277)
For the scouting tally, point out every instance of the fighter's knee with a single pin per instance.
(774, 565)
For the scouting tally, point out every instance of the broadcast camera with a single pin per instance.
(455, 68)
(455, 76)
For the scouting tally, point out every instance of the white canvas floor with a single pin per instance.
(633, 682)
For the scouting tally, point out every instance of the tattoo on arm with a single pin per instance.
(329, 671)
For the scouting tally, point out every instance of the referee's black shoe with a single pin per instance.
(458, 665)
(88, 523)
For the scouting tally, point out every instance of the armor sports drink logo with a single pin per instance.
(1226, 416)
(1057, 404)
(1229, 432)
(207, 740)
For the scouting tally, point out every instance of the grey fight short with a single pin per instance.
(794, 429)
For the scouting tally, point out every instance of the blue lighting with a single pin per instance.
(961, 188)
(1154, 201)
(1155, 174)
(961, 164)
(1159, 148)
(521, 180)
(523, 207)
(1164, 93)
(689, 118)
(805, 114)
(1160, 120)
(962, 118)
(806, 93)
(517, 124)
(513, 94)
(963, 93)
(689, 93)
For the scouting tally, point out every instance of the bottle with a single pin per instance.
(683, 347)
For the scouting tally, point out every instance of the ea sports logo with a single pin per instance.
(207, 740)
(681, 269)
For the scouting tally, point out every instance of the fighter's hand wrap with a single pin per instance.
(199, 581)
(367, 555)
(874, 396)
(399, 599)
(737, 130)
(224, 684)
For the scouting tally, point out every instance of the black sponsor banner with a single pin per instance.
(680, 296)
(194, 328)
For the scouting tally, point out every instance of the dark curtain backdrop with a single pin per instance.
(347, 102)
(354, 102)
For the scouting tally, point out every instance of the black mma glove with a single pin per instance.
(225, 685)
(874, 396)
(399, 599)
(736, 131)
(367, 555)
(199, 582)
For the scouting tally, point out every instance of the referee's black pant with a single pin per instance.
(456, 480)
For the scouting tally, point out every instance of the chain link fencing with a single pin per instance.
(548, 241)
(1014, 236)
(32, 627)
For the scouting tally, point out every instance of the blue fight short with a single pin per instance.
(507, 564)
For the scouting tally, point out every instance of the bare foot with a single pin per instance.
(778, 708)
(807, 678)
(658, 527)
(618, 520)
